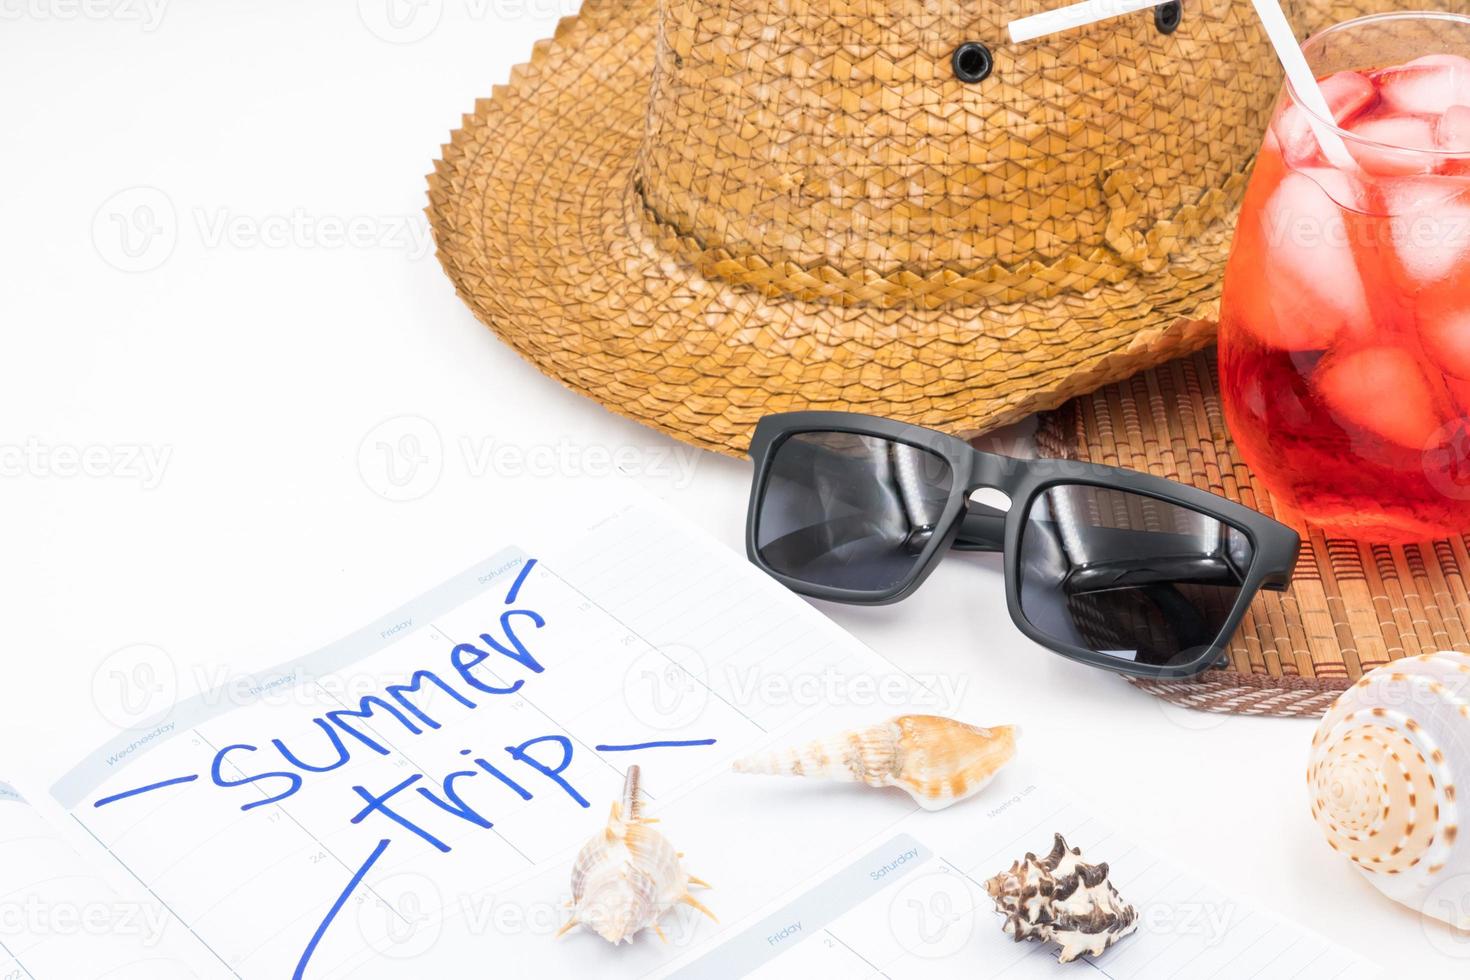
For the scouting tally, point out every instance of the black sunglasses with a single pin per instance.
(1118, 569)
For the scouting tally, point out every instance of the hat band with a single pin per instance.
(1133, 243)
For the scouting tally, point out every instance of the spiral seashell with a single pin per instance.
(1064, 900)
(1384, 781)
(938, 761)
(628, 876)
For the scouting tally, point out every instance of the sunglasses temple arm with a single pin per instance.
(983, 528)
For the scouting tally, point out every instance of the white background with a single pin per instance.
(262, 364)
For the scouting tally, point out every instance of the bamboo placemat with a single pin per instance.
(1352, 606)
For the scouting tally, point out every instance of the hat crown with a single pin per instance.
(826, 148)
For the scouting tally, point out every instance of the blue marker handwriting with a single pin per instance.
(668, 744)
(276, 770)
(469, 683)
(144, 789)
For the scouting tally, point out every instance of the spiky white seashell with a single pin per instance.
(1062, 899)
(628, 876)
(1384, 778)
(938, 761)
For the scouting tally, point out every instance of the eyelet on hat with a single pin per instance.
(1167, 16)
(972, 62)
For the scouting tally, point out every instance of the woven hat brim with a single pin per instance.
(540, 225)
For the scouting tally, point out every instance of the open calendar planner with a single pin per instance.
(408, 801)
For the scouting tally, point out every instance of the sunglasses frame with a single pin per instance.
(1275, 546)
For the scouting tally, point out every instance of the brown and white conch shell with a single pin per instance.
(938, 761)
(628, 876)
(1387, 772)
(1064, 900)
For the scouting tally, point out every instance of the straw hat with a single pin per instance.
(1352, 605)
(700, 211)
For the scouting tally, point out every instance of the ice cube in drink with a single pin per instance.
(1345, 329)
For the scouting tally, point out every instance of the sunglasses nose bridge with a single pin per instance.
(993, 471)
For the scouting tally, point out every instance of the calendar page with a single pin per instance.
(914, 904)
(409, 801)
(62, 916)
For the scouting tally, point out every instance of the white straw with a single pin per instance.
(1278, 29)
(1074, 15)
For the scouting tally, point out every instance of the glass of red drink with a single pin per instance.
(1345, 323)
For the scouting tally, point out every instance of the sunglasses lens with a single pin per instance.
(1129, 576)
(850, 511)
